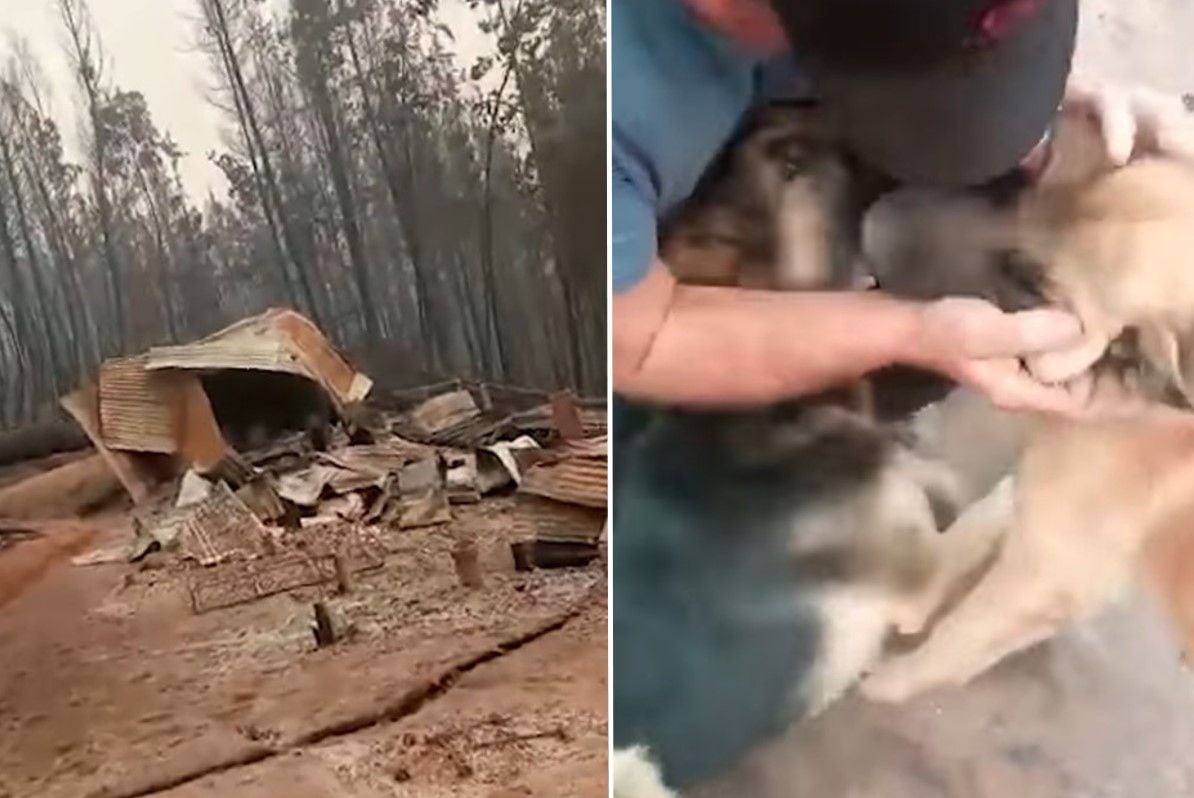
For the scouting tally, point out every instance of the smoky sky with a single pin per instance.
(150, 47)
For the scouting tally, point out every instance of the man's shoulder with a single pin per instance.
(660, 44)
(664, 42)
(679, 89)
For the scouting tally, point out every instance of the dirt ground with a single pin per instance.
(110, 685)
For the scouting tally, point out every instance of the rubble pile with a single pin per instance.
(257, 465)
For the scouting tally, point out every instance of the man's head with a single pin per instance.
(937, 91)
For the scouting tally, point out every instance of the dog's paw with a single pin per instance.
(635, 775)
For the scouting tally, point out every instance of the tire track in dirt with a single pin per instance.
(408, 703)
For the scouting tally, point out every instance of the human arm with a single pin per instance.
(700, 345)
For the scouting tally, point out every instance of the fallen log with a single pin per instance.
(68, 490)
(40, 440)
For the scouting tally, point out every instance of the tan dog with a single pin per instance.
(1092, 505)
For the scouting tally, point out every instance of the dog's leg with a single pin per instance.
(636, 776)
(959, 552)
(1013, 607)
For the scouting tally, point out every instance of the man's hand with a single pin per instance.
(975, 343)
(1135, 120)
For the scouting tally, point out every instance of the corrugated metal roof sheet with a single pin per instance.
(277, 340)
(547, 519)
(577, 480)
(597, 446)
(445, 411)
(137, 409)
(138, 477)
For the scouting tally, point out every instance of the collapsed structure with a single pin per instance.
(258, 455)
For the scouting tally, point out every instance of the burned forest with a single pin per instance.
(436, 214)
(303, 451)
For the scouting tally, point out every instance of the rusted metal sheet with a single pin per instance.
(597, 446)
(427, 509)
(577, 480)
(530, 554)
(138, 409)
(565, 416)
(138, 475)
(593, 420)
(420, 477)
(320, 358)
(376, 460)
(240, 582)
(162, 412)
(200, 441)
(309, 559)
(305, 486)
(217, 529)
(155, 404)
(445, 411)
(262, 499)
(277, 340)
(548, 519)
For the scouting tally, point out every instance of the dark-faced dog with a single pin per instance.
(762, 557)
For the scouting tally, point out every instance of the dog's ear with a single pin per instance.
(1171, 351)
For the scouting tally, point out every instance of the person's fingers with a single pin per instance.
(1025, 332)
(1019, 391)
(1011, 388)
(1043, 329)
(1061, 365)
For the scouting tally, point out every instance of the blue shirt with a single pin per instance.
(679, 92)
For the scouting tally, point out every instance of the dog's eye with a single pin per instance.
(793, 166)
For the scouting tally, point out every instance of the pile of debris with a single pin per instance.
(254, 456)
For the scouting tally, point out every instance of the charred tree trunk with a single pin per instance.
(410, 234)
(311, 29)
(24, 332)
(492, 322)
(271, 194)
(73, 15)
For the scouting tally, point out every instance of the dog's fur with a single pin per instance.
(1089, 503)
(1094, 503)
(780, 210)
(766, 555)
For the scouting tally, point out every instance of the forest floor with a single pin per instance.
(111, 685)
